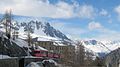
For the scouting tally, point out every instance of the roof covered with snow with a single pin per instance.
(21, 43)
(41, 48)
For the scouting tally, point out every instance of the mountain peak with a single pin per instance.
(37, 26)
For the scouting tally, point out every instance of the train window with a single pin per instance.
(43, 52)
(36, 51)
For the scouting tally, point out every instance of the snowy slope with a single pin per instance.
(100, 47)
(32, 64)
(38, 26)
(41, 29)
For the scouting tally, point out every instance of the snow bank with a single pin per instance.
(4, 57)
(51, 61)
(33, 64)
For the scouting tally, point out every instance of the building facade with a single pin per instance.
(60, 49)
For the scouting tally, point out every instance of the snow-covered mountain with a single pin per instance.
(99, 47)
(38, 28)
(94, 45)
(42, 29)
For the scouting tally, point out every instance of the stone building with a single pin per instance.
(66, 51)
(46, 44)
(57, 47)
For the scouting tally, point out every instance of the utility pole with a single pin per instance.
(10, 18)
(6, 27)
(8, 23)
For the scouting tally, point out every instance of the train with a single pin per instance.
(47, 54)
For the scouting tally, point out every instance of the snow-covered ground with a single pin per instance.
(40, 64)
(33, 64)
(51, 61)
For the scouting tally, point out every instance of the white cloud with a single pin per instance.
(108, 35)
(86, 11)
(117, 10)
(94, 25)
(43, 8)
(64, 9)
(40, 8)
(103, 12)
(104, 33)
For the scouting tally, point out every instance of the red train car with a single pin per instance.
(50, 54)
(40, 53)
(56, 55)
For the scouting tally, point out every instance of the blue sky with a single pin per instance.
(78, 19)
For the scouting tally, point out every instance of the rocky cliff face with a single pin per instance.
(113, 59)
(42, 28)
